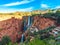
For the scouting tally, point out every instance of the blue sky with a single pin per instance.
(27, 5)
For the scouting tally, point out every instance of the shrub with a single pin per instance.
(37, 42)
(5, 40)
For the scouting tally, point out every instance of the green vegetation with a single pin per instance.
(5, 40)
(49, 40)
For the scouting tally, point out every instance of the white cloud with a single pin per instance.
(57, 7)
(18, 3)
(7, 10)
(44, 6)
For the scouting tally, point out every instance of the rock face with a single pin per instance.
(11, 27)
(42, 23)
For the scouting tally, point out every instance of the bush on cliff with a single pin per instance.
(5, 40)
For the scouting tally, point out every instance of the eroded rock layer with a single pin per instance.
(11, 27)
(42, 23)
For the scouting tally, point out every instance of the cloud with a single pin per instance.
(57, 7)
(44, 6)
(9, 10)
(18, 3)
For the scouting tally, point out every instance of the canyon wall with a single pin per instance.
(12, 27)
(42, 22)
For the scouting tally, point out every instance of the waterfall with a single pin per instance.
(28, 23)
(29, 20)
(22, 38)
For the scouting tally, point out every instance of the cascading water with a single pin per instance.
(29, 20)
(22, 38)
(25, 27)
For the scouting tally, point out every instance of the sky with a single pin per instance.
(7, 6)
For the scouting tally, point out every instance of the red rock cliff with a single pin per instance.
(12, 27)
(42, 23)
